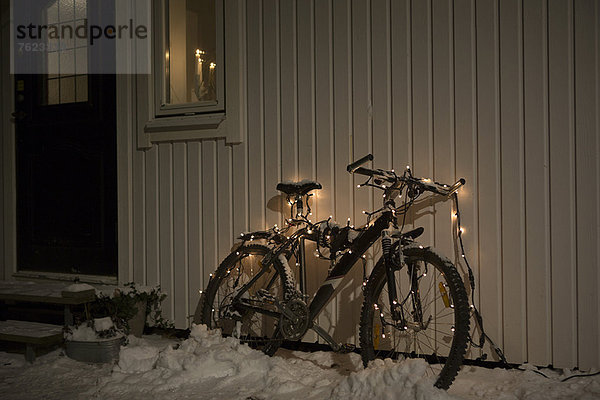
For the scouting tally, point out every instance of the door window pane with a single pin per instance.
(191, 53)
(67, 58)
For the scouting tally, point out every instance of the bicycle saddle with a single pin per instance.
(298, 188)
(415, 233)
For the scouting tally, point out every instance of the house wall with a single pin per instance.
(505, 94)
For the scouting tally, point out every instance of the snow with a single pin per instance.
(82, 333)
(78, 287)
(111, 290)
(300, 183)
(85, 333)
(207, 366)
(103, 324)
(353, 234)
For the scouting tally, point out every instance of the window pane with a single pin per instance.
(80, 41)
(67, 62)
(80, 9)
(67, 90)
(190, 58)
(81, 61)
(67, 35)
(53, 92)
(81, 88)
(52, 12)
(66, 11)
(52, 64)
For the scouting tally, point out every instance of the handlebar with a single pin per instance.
(391, 177)
(440, 188)
(356, 164)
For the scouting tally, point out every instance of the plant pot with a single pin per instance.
(136, 324)
(100, 351)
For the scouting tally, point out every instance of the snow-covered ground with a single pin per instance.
(206, 366)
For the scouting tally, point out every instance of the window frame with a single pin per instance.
(230, 124)
(161, 38)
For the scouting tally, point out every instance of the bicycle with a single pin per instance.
(253, 294)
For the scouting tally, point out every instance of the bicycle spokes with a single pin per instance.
(426, 326)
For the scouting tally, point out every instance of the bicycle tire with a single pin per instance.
(258, 330)
(403, 340)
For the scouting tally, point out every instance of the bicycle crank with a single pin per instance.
(293, 322)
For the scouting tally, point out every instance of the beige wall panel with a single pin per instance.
(586, 164)
(504, 94)
(562, 183)
(537, 219)
(513, 185)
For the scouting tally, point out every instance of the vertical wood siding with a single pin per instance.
(503, 93)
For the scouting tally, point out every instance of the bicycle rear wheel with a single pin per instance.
(435, 309)
(219, 309)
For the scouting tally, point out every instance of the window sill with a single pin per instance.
(54, 276)
(187, 128)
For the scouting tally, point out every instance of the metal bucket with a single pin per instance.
(94, 352)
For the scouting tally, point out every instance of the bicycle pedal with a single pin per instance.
(346, 348)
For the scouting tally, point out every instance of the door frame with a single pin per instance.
(126, 126)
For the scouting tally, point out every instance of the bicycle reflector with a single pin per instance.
(444, 293)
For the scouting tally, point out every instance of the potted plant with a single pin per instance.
(111, 317)
(132, 307)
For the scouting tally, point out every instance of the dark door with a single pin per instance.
(66, 166)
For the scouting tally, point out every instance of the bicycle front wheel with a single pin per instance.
(239, 289)
(434, 309)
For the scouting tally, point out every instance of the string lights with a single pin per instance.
(475, 312)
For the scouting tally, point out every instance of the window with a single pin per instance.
(189, 77)
(67, 58)
(184, 96)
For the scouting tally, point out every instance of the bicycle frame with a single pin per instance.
(327, 290)
(360, 245)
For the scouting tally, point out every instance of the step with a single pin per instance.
(30, 333)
